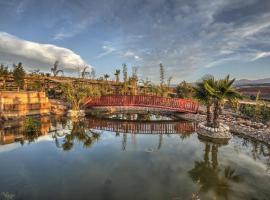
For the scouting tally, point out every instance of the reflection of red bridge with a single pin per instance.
(167, 104)
(141, 127)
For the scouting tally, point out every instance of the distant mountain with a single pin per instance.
(252, 82)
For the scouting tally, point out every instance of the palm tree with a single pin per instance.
(55, 69)
(215, 92)
(106, 76)
(117, 73)
(146, 84)
(220, 91)
(202, 93)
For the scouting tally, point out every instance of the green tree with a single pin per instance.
(19, 74)
(202, 93)
(77, 93)
(184, 90)
(3, 70)
(220, 91)
(146, 86)
(55, 69)
(125, 79)
(125, 74)
(162, 74)
(117, 74)
(106, 76)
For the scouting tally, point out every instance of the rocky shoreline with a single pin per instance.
(238, 126)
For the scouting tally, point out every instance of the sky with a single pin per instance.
(190, 38)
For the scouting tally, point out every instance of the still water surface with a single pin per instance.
(110, 159)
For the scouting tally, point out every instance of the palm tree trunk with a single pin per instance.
(214, 156)
(216, 114)
(208, 115)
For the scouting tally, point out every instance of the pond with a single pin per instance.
(112, 159)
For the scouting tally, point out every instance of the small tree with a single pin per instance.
(106, 76)
(184, 90)
(125, 74)
(220, 91)
(55, 69)
(19, 74)
(117, 74)
(3, 70)
(76, 94)
(202, 93)
(146, 85)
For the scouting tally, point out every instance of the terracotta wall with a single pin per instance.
(16, 104)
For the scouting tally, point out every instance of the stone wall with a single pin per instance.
(22, 103)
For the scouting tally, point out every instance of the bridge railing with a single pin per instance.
(169, 127)
(174, 104)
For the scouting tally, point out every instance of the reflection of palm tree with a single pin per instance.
(208, 176)
(31, 129)
(79, 133)
(68, 143)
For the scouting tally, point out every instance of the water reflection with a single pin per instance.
(142, 127)
(211, 177)
(28, 129)
(79, 133)
(87, 131)
(145, 116)
(128, 160)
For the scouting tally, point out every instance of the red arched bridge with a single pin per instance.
(163, 103)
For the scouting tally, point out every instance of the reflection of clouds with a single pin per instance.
(9, 147)
(130, 172)
(17, 145)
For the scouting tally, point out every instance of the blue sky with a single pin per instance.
(190, 37)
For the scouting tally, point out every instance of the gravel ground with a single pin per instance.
(238, 125)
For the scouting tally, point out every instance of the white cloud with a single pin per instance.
(72, 30)
(261, 55)
(107, 50)
(13, 49)
(131, 54)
